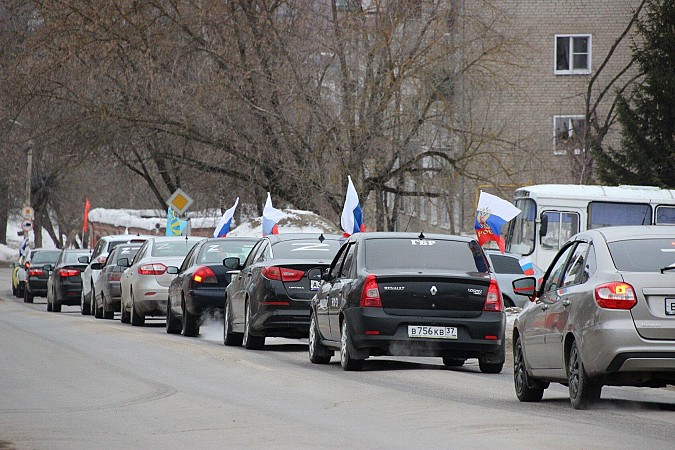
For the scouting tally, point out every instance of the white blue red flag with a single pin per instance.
(493, 212)
(271, 217)
(224, 225)
(352, 214)
(527, 265)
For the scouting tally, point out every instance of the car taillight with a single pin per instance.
(152, 269)
(114, 276)
(615, 295)
(35, 272)
(282, 273)
(204, 274)
(493, 300)
(370, 295)
(68, 273)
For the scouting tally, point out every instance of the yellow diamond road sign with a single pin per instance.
(179, 201)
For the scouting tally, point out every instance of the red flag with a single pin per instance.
(85, 221)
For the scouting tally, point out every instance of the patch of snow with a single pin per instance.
(10, 252)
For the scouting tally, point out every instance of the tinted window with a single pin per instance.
(414, 254)
(505, 264)
(665, 214)
(306, 249)
(643, 255)
(216, 251)
(605, 214)
(347, 264)
(44, 257)
(71, 257)
(175, 248)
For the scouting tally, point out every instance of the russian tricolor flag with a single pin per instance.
(224, 225)
(527, 265)
(493, 212)
(271, 217)
(352, 215)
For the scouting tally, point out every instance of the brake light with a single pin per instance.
(114, 276)
(68, 273)
(204, 274)
(35, 272)
(370, 295)
(282, 273)
(493, 300)
(615, 295)
(152, 269)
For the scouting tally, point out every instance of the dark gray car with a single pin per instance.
(604, 315)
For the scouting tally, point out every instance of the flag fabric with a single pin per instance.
(224, 225)
(493, 212)
(173, 224)
(352, 214)
(24, 249)
(185, 227)
(271, 217)
(85, 220)
(527, 265)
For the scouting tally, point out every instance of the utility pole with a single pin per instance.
(30, 172)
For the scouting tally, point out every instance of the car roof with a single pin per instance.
(633, 232)
(409, 235)
(297, 236)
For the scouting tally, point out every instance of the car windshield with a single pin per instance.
(180, 247)
(306, 249)
(416, 254)
(643, 255)
(45, 257)
(216, 251)
(71, 257)
(505, 264)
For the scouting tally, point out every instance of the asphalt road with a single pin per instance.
(68, 381)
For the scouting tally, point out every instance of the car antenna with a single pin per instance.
(406, 225)
(321, 238)
(421, 236)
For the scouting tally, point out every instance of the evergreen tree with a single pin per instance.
(647, 117)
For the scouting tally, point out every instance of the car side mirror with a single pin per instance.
(232, 263)
(48, 267)
(83, 259)
(544, 225)
(525, 286)
(173, 270)
(124, 262)
(96, 266)
(315, 274)
(326, 276)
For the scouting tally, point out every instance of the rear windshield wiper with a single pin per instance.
(667, 268)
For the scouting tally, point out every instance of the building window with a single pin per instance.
(568, 135)
(572, 54)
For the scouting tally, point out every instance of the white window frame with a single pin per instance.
(577, 151)
(570, 70)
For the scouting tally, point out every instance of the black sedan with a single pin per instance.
(36, 275)
(200, 283)
(404, 294)
(270, 295)
(107, 290)
(64, 285)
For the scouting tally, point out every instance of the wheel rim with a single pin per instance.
(343, 344)
(312, 336)
(226, 322)
(574, 372)
(246, 326)
(519, 368)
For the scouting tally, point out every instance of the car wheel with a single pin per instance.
(173, 325)
(84, 308)
(95, 310)
(14, 290)
(108, 315)
(137, 320)
(527, 389)
(318, 353)
(21, 289)
(49, 303)
(27, 297)
(125, 317)
(347, 361)
(249, 341)
(190, 324)
(453, 362)
(487, 367)
(582, 390)
(230, 338)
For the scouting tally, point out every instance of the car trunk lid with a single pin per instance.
(654, 312)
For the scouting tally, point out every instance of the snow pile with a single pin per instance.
(295, 221)
(10, 252)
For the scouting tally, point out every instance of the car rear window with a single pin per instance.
(180, 247)
(643, 255)
(306, 249)
(505, 264)
(71, 257)
(216, 251)
(399, 253)
(44, 257)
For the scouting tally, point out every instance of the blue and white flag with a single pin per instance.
(493, 212)
(271, 217)
(224, 225)
(352, 215)
(173, 224)
(24, 249)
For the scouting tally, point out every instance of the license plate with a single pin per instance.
(418, 331)
(314, 285)
(670, 306)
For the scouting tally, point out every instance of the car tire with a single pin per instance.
(190, 324)
(27, 297)
(318, 353)
(21, 289)
(347, 361)
(486, 367)
(173, 325)
(95, 310)
(583, 392)
(249, 341)
(527, 389)
(137, 320)
(56, 306)
(14, 290)
(49, 304)
(230, 338)
(107, 315)
(84, 308)
(125, 317)
(453, 362)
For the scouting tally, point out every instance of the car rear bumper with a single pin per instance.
(151, 302)
(69, 294)
(37, 288)
(199, 300)
(475, 336)
(282, 321)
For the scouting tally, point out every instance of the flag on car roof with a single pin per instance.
(352, 215)
(224, 225)
(173, 224)
(271, 217)
(493, 212)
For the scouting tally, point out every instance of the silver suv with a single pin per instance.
(604, 315)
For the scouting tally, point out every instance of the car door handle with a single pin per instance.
(543, 306)
(566, 303)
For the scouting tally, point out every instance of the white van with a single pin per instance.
(552, 213)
